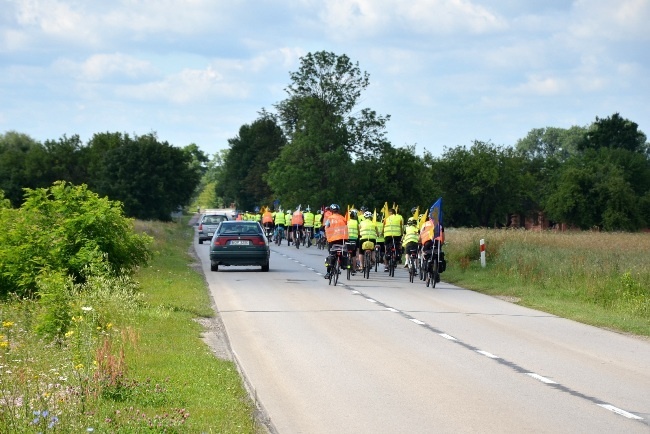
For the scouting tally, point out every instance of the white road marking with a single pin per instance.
(540, 378)
(392, 309)
(446, 336)
(486, 354)
(417, 321)
(619, 411)
(371, 300)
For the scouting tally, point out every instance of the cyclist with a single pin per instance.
(430, 243)
(297, 222)
(267, 221)
(367, 232)
(353, 239)
(278, 220)
(379, 224)
(336, 230)
(288, 227)
(309, 225)
(318, 221)
(393, 230)
(410, 240)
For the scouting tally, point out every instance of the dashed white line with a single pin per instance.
(371, 300)
(486, 354)
(417, 321)
(619, 411)
(540, 378)
(392, 309)
(446, 336)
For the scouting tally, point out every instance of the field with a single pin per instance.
(596, 278)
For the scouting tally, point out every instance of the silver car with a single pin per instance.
(208, 225)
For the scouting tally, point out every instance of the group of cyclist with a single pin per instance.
(351, 232)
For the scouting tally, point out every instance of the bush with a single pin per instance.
(69, 230)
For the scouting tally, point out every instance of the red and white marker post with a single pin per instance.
(482, 243)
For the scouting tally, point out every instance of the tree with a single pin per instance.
(551, 142)
(482, 184)
(150, 177)
(615, 132)
(242, 176)
(23, 164)
(332, 85)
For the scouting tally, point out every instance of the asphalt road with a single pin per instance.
(387, 356)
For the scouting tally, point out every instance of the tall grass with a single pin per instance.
(131, 361)
(598, 278)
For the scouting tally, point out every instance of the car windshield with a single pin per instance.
(214, 219)
(239, 229)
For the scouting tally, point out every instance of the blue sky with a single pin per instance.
(447, 71)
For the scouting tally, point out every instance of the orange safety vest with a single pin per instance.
(267, 217)
(426, 233)
(296, 218)
(337, 229)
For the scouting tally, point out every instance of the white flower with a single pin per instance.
(86, 308)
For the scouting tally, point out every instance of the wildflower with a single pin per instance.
(69, 333)
(4, 344)
(109, 325)
(7, 324)
(79, 366)
(86, 308)
(90, 429)
(53, 422)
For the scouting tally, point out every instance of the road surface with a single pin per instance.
(387, 356)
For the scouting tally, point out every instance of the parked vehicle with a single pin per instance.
(208, 224)
(239, 243)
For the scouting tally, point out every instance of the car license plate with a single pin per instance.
(210, 234)
(239, 242)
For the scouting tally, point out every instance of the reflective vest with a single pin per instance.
(380, 232)
(367, 230)
(426, 234)
(337, 228)
(309, 219)
(353, 229)
(258, 217)
(411, 235)
(279, 218)
(392, 226)
(267, 217)
(297, 219)
(318, 221)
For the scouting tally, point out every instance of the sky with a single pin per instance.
(448, 72)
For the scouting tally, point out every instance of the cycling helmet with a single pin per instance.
(411, 222)
(415, 208)
(335, 207)
(367, 215)
(353, 213)
(308, 209)
(288, 211)
(364, 208)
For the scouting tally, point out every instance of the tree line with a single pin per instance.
(151, 178)
(319, 147)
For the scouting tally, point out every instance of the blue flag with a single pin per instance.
(435, 215)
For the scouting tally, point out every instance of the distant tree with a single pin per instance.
(551, 142)
(242, 175)
(23, 164)
(150, 177)
(482, 184)
(65, 160)
(615, 132)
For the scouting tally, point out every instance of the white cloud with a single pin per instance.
(108, 67)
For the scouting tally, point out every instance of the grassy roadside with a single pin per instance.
(602, 279)
(132, 360)
(170, 349)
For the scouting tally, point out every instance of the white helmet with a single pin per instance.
(367, 215)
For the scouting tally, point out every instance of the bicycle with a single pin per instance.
(308, 236)
(411, 259)
(432, 274)
(391, 253)
(351, 256)
(335, 270)
(297, 235)
(368, 250)
(321, 243)
(377, 256)
(279, 234)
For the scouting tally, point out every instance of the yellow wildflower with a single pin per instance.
(7, 324)
(4, 344)
(69, 333)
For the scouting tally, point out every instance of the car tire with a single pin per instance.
(214, 267)
(265, 267)
(200, 241)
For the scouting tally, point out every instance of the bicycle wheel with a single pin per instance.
(337, 270)
(366, 264)
(427, 274)
(391, 265)
(411, 270)
(349, 269)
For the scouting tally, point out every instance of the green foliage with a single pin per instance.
(68, 230)
(23, 163)
(614, 132)
(247, 163)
